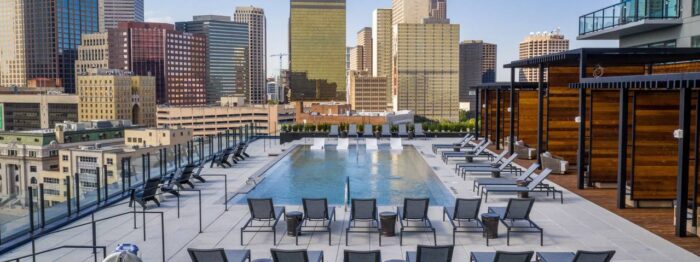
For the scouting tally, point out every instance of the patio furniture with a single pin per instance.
(334, 131)
(245, 147)
(363, 211)
(301, 255)
(557, 164)
(430, 254)
(464, 217)
(501, 256)
(262, 211)
(536, 185)
(221, 160)
(388, 223)
(403, 131)
(494, 163)
(187, 174)
(362, 256)
(239, 152)
(167, 183)
(524, 150)
(147, 194)
(294, 219)
(352, 131)
(579, 256)
(462, 143)
(218, 255)
(495, 171)
(317, 210)
(415, 210)
(418, 131)
(490, 222)
(386, 130)
(516, 218)
(468, 155)
(367, 131)
(502, 181)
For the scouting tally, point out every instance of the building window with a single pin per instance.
(695, 40)
(65, 170)
(32, 169)
(696, 7)
(32, 153)
(65, 157)
(51, 180)
(110, 161)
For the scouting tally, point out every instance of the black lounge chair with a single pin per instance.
(464, 217)
(501, 256)
(262, 210)
(494, 163)
(148, 193)
(363, 211)
(579, 256)
(245, 147)
(221, 160)
(183, 178)
(167, 183)
(415, 210)
(301, 255)
(362, 256)
(316, 210)
(495, 171)
(476, 152)
(430, 254)
(505, 181)
(536, 185)
(218, 255)
(239, 152)
(516, 218)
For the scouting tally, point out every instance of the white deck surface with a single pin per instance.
(577, 224)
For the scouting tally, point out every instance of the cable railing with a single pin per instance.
(55, 202)
(627, 12)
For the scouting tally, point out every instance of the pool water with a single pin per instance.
(389, 176)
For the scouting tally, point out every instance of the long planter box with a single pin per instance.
(287, 137)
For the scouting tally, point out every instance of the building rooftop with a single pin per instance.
(578, 224)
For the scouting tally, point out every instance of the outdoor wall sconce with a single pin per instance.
(678, 134)
(483, 106)
(509, 109)
(577, 119)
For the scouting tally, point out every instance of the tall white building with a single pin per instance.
(114, 11)
(539, 44)
(410, 11)
(257, 34)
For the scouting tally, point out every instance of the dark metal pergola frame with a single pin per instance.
(512, 87)
(685, 84)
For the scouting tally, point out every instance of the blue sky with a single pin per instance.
(503, 22)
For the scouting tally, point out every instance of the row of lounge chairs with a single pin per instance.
(385, 132)
(423, 253)
(412, 216)
(171, 183)
(234, 154)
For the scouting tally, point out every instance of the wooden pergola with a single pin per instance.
(660, 88)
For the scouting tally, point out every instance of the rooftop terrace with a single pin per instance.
(577, 224)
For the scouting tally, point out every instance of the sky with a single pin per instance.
(502, 22)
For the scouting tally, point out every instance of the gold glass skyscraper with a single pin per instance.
(317, 50)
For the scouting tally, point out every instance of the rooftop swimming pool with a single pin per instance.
(389, 176)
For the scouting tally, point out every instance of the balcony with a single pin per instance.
(629, 17)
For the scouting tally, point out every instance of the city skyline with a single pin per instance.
(503, 32)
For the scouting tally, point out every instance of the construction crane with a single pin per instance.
(281, 57)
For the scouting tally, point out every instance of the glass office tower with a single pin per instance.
(317, 50)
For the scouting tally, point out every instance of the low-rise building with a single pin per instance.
(35, 108)
(25, 155)
(335, 113)
(367, 93)
(210, 120)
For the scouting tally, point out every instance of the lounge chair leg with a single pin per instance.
(541, 238)
(454, 235)
(434, 237)
(401, 238)
(508, 238)
(241, 236)
(274, 236)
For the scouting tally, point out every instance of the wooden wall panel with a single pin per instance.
(562, 110)
(605, 127)
(527, 117)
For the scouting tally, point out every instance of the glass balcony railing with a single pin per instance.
(628, 11)
(52, 202)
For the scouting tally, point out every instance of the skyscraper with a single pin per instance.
(39, 39)
(176, 59)
(114, 11)
(477, 64)
(356, 58)
(438, 9)
(367, 93)
(317, 49)
(257, 37)
(381, 48)
(227, 55)
(539, 44)
(410, 11)
(97, 51)
(364, 39)
(426, 68)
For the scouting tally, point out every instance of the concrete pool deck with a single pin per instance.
(577, 224)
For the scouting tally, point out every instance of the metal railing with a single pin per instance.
(33, 255)
(627, 12)
(47, 207)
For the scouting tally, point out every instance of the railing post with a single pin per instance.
(68, 195)
(148, 165)
(30, 194)
(128, 165)
(77, 193)
(106, 183)
(143, 168)
(97, 179)
(94, 233)
(123, 175)
(42, 209)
